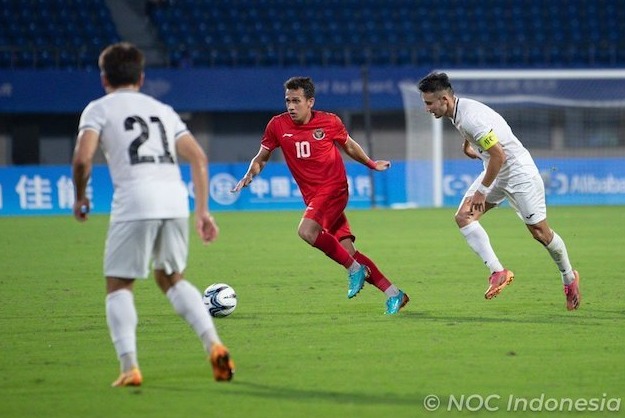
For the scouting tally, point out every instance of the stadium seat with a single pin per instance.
(479, 33)
(45, 32)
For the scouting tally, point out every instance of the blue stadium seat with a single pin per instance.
(6, 58)
(356, 32)
(45, 28)
(465, 33)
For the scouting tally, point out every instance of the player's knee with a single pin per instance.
(542, 236)
(463, 218)
(166, 281)
(307, 235)
(458, 219)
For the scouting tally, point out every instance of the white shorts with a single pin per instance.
(526, 195)
(130, 246)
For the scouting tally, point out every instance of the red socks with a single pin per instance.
(333, 249)
(376, 277)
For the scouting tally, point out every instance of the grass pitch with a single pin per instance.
(302, 349)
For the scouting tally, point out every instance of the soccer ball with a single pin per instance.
(220, 300)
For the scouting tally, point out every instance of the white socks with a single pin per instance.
(478, 240)
(121, 317)
(557, 251)
(187, 302)
(391, 291)
(353, 267)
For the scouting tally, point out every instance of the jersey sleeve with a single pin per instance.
(478, 132)
(180, 128)
(93, 117)
(270, 139)
(341, 131)
(488, 140)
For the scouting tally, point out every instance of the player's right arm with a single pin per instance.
(256, 166)
(82, 163)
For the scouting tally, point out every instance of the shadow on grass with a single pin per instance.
(566, 318)
(592, 317)
(318, 395)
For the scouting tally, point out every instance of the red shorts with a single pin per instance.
(327, 208)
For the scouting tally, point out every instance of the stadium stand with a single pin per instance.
(208, 33)
(502, 33)
(54, 33)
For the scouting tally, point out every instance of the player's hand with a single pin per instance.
(206, 227)
(469, 151)
(244, 182)
(81, 209)
(478, 202)
(381, 165)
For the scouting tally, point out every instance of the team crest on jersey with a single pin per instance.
(319, 134)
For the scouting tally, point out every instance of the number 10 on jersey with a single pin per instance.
(302, 149)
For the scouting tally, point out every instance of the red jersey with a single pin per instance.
(310, 151)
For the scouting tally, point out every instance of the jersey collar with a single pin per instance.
(457, 99)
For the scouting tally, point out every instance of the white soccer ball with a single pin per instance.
(220, 300)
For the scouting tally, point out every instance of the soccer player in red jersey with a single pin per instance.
(310, 142)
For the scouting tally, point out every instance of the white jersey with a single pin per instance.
(474, 120)
(138, 135)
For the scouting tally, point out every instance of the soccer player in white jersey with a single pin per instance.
(509, 172)
(142, 139)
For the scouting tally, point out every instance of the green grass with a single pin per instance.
(301, 348)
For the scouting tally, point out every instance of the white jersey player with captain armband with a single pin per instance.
(509, 173)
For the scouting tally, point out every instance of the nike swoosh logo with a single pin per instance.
(530, 216)
(289, 135)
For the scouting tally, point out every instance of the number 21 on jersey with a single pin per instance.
(302, 149)
(133, 149)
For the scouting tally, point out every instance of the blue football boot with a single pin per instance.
(395, 303)
(357, 281)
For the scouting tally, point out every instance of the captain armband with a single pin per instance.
(488, 140)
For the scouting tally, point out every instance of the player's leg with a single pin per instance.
(126, 256)
(121, 318)
(396, 298)
(313, 225)
(556, 247)
(529, 202)
(311, 231)
(170, 259)
(479, 241)
(321, 212)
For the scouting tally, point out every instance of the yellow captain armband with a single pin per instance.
(488, 140)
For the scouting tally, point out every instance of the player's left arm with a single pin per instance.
(355, 151)
(189, 149)
(490, 143)
(82, 163)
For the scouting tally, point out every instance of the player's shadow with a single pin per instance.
(563, 317)
(319, 395)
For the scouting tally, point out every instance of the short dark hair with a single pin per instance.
(122, 64)
(435, 83)
(304, 83)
